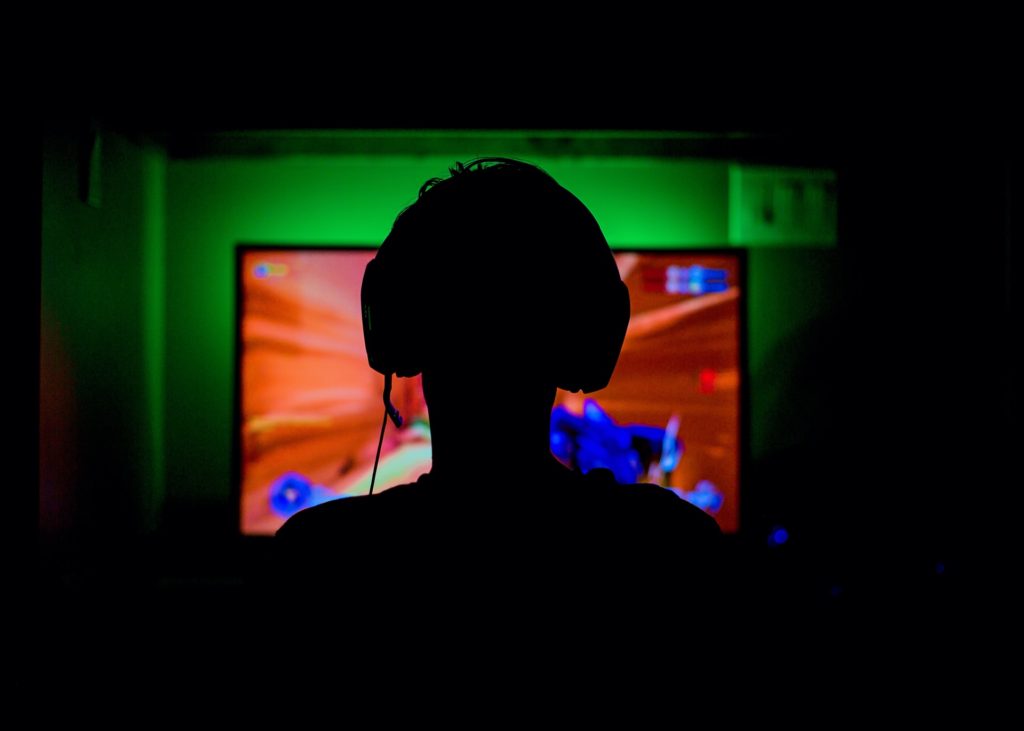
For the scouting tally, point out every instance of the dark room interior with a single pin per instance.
(878, 375)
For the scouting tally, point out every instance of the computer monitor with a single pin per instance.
(308, 406)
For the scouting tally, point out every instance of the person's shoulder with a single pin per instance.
(356, 512)
(668, 501)
(653, 502)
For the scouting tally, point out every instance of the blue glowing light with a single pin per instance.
(269, 269)
(695, 280)
(777, 536)
(705, 495)
(671, 445)
(290, 493)
(940, 568)
(561, 445)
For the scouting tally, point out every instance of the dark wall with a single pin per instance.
(898, 499)
(99, 320)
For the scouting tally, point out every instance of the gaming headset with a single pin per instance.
(596, 302)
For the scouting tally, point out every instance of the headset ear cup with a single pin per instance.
(588, 364)
(374, 320)
(608, 338)
(392, 346)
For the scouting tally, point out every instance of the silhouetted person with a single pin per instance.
(499, 287)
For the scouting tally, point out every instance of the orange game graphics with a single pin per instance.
(310, 406)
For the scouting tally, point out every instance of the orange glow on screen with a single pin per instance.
(310, 406)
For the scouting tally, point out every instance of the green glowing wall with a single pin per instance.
(213, 204)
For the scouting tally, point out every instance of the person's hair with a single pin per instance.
(500, 242)
(503, 165)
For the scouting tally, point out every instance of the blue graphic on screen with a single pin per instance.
(695, 280)
(292, 492)
(631, 452)
(705, 495)
(593, 440)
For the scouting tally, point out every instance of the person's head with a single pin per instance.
(497, 276)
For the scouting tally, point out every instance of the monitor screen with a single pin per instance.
(309, 407)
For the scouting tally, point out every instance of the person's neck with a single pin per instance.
(497, 458)
(496, 465)
(499, 435)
